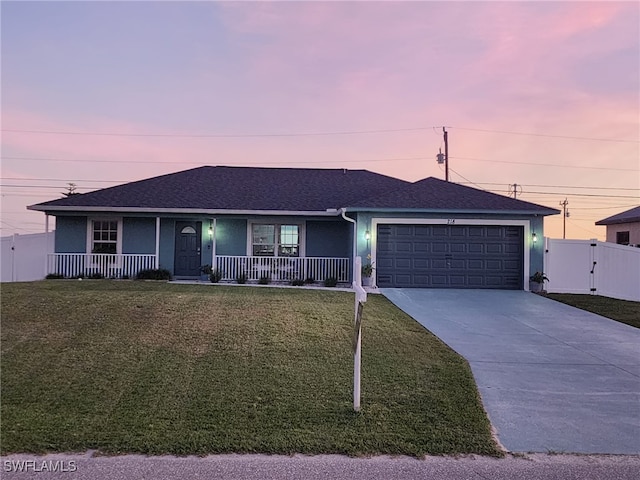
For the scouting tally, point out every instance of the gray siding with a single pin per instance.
(71, 235)
(536, 251)
(231, 236)
(139, 235)
(328, 239)
(167, 243)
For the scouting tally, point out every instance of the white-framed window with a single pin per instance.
(276, 240)
(104, 235)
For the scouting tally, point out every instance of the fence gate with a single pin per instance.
(593, 267)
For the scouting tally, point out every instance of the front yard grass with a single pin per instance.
(156, 368)
(623, 311)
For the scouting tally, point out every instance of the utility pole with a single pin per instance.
(565, 214)
(446, 154)
(516, 189)
(444, 158)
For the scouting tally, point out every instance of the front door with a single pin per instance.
(188, 246)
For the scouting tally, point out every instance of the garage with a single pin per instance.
(450, 256)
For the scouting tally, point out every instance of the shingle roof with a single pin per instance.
(627, 216)
(240, 188)
(290, 189)
(432, 193)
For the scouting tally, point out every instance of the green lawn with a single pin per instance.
(621, 310)
(124, 366)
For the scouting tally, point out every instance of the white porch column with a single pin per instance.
(157, 260)
(213, 245)
(46, 242)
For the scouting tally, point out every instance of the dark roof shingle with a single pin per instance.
(432, 193)
(290, 189)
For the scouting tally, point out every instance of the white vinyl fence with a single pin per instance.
(23, 256)
(593, 267)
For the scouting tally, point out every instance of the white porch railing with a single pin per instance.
(72, 265)
(283, 269)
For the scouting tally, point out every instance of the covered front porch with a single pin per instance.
(230, 268)
(282, 269)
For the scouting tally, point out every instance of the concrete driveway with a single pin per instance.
(552, 378)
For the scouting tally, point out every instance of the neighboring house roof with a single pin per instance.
(628, 216)
(287, 189)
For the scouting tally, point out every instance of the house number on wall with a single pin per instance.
(451, 221)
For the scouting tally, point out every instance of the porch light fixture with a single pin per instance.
(534, 237)
(211, 230)
(367, 235)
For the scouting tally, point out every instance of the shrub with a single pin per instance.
(309, 280)
(54, 276)
(154, 274)
(215, 276)
(297, 282)
(331, 282)
(95, 276)
(264, 280)
(241, 278)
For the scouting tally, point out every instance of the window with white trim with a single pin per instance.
(104, 236)
(275, 240)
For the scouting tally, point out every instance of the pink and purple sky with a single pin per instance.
(545, 95)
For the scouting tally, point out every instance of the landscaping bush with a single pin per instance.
(241, 278)
(331, 282)
(297, 282)
(154, 274)
(264, 280)
(309, 280)
(215, 276)
(54, 276)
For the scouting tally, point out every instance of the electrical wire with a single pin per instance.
(569, 137)
(207, 135)
(309, 134)
(546, 164)
(40, 159)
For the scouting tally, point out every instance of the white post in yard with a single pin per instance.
(157, 260)
(360, 298)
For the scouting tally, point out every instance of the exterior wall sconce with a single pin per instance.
(534, 237)
(367, 235)
(211, 230)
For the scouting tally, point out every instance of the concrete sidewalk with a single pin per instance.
(552, 378)
(320, 467)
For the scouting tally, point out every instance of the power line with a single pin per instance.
(551, 186)
(603, 208)
(307, 134)
(569, 137)
(207, 135)
(585, 195)
(460, 175)
(546, 164)
(40, 159)
(61, 180)
(390, 159)
(40, 186)
(560, 194)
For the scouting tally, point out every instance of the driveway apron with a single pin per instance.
(552, 378)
